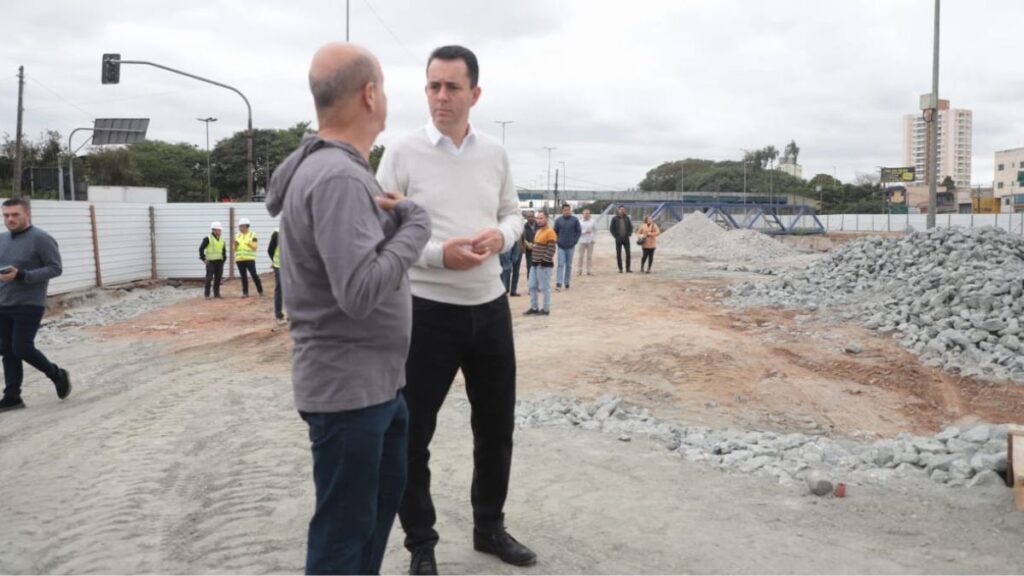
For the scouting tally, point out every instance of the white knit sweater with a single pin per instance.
(464, 193)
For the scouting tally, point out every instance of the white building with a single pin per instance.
(955, 128)
(1006, 181)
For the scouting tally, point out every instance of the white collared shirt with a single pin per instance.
(437, 138)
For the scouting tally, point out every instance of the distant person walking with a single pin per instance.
(245, 257)
(545, 243)
(29, 258)
(567, 228)
(586, 245)
(213, 252)
(647, 234)
(347, 248)
(274, 251)
(621, 228)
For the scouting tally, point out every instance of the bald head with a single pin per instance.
(339, 72)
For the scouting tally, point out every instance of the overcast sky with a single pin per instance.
(617, 87)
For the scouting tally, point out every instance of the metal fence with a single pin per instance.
(1011, 222)
(113, 243)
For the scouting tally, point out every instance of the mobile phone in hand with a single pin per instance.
(6, 269)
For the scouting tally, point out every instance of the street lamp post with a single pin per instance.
(565, 186)
(207, 121)
(503, 124)
(549, 149)
(934, 160)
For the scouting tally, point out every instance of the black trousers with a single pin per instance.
(278, 295)
(250, 267)
(477, 339)
(621, 244)
(18, 327)
(214, 273)
(529, 262)
(648, 257)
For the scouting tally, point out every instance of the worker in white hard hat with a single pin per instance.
(213, 252)
(245, 257)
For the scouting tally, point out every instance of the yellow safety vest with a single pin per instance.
(277, 250)
(214, 249)
(245, 248)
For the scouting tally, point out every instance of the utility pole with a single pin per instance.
(17, 137)
(346, 20)
(503, 124)
(557, 203)
(934, 144)
(549, 149)
(207, 121)
(565, 186)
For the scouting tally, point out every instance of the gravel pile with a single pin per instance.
(697, 235)
(956, 457)
(952, 295)
(108, 307)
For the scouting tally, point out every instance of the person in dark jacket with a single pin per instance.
(621, 228)
(567, 227)
(213, 252)
(29, 259)
(529, 231)
(274, 251)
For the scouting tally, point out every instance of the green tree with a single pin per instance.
(791, 152)
(180, 168)
(375, 154)
(270, 148)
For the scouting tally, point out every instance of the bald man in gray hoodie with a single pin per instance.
(346, 247)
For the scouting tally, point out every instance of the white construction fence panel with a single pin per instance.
(263, 224)
(70, 226)
(124, 242)
(1011, 222)
(180, 229)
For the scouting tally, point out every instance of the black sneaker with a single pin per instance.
(566, 286)
(543, 312)
(8, 403)
(62, 381)
(531, 312)
(423, 561)
(504, 546)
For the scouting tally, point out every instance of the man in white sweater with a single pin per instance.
(461, 318)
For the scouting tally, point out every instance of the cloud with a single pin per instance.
(618, 88)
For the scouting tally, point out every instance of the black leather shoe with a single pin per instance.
(423, 561)
(531, 312)
(505, 547)
(8, 403)
(62, 381)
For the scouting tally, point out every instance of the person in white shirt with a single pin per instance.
(586, 242)
(461, 317)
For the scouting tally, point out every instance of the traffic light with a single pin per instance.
(111, 68)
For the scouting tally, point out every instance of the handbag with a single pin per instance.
(640, 240)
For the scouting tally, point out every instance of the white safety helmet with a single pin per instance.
(243, 222)
(216, 226)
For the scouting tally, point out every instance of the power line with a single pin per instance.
(66, 101)
(393, 35)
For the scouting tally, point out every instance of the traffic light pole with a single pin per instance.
(248, 195)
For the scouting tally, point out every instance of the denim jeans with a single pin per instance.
(18, 327)
(564, 276)
(359, 469)
(540, 280)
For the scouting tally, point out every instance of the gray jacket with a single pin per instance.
(343, 273)
(36, 256)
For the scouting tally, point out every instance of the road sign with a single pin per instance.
(903, 174)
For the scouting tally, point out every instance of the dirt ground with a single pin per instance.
(180, 451)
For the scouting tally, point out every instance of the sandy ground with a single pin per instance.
(180, 452)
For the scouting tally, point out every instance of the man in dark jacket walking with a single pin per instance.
(621, 228)
(567, 227)
(529, 231)
(29, 258)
